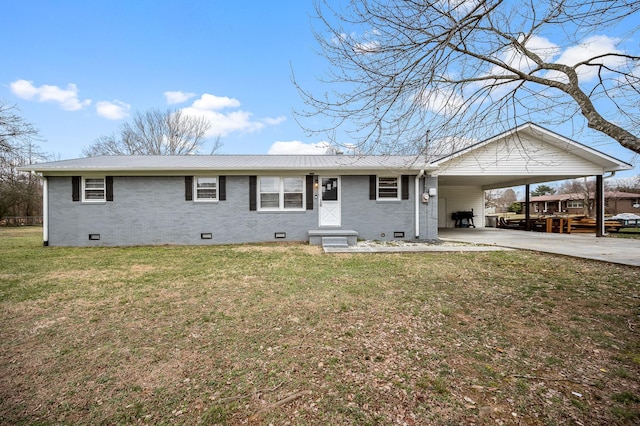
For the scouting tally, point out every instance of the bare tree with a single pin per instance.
(628, 184)
(156, 132)
(583, 189)
(506, 199)
(20, 192)
(14, 131)
(462, 68)
(500, 199)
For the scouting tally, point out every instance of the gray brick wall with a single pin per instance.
(379, 220)
(153, 210)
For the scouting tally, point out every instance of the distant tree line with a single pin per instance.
(153, 132)
(20, 192)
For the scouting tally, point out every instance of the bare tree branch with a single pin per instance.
(461, 68)
(13, 129)
(156, 132)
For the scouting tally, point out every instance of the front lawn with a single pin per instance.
(284, 334)
(627, 233)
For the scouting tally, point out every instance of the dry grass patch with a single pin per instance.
(283, 334)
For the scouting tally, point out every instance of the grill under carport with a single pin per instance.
(463, 219)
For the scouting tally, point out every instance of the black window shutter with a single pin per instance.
(405, 187)
(222, 188)
(253, 184)
(75, 188)
(188, 188)
(309, 192)
(372, 187)
(108, 182)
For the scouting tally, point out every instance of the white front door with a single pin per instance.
(330, 211)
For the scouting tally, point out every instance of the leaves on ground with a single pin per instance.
(283, 334)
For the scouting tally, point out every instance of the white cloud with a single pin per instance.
(274, 121)
(212, 102)
(442, 102)
(541, 46)
(66, 98)
(23, 89)
(366, 47)
(550, 52)
(593, 46)
(115, 110)
(178, 97)
(298, 148)
(222, 122)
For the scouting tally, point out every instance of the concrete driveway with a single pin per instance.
(625, 251)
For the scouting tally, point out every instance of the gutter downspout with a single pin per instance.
(45, 211)
(417, 188)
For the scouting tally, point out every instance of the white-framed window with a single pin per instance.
(574, 204)
(93, 189)
(205, 188)
(388, 188)
(281, 193)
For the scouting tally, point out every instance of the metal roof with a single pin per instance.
(233, 163)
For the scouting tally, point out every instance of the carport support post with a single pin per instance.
(599, 206)
(527, 207)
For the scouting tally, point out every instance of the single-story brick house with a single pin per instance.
(144, 200)
(614, 202)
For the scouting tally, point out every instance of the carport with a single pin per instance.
(526, 155)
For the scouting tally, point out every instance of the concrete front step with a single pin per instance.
(317, 236)
(335, 242)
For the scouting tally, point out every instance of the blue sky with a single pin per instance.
(78, 69)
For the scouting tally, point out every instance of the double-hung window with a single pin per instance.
(388, 188)
(281, 193)
(93, 189)
(574, 204)
(206, 188)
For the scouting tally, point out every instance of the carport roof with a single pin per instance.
(524, 155)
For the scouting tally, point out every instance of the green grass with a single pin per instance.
(627, 233)
(267, 333)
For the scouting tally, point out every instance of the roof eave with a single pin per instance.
(235, 171)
